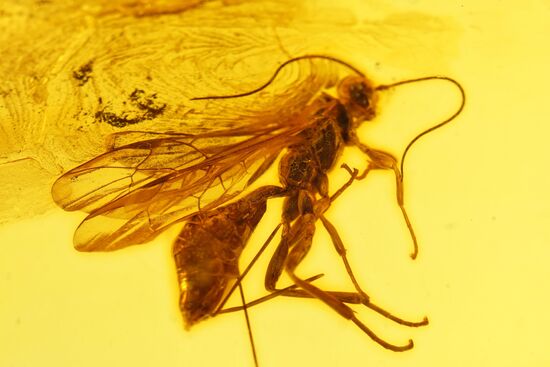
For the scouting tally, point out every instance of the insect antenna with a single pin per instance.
(281, 67)
(444, 122)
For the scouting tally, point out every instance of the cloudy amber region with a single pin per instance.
(476, 190)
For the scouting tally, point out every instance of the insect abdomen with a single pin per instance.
(207, 252)
(205, 265)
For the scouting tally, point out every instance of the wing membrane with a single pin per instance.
(125, 169)
(136, 191)
(148, 181)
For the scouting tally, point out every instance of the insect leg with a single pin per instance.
(295, 256)
(348, 297)
(322, 206)
(341, 250)
(278, 292)
(383, 160)
(351, 298)
(345, 297)
(290, 212)
(276, 264)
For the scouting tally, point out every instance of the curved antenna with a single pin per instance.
(444, 122)
(283, 65)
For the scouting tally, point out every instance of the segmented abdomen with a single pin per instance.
(207, 252)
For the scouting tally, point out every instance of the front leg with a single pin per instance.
(385, 161)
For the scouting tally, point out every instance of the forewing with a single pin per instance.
(124, 169)
(136, 191)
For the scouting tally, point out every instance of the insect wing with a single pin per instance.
(125, 169)
(136, 191)
(148, 181)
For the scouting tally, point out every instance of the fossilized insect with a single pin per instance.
(135, 191)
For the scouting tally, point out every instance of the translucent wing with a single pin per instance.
(135, 191)
(69, 83)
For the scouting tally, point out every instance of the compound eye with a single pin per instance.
(359, 97)
(359, 94)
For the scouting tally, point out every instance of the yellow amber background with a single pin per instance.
(476, 191)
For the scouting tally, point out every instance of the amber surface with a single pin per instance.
(73, 73)
(476, 191)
